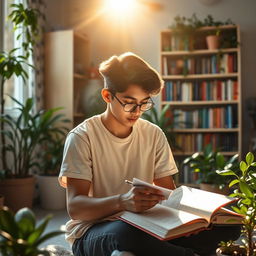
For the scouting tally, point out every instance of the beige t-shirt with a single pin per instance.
(92, 153)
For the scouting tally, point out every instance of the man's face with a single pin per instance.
(134, 94)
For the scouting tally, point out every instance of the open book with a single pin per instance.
(187, 210)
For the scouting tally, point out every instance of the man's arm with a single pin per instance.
(82, 207)
(165, 182)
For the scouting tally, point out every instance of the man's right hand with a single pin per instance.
(140, 198)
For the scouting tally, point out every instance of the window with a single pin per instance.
(14, 86)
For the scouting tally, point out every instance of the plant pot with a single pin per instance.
(1, 201)
(18, 192)
(212, 42)
(52, 195)
(214, 189)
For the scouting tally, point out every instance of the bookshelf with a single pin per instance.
(203, 90)
(66, 72)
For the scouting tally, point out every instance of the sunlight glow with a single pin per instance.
(120, 7)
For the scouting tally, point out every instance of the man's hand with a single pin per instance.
(140, 199)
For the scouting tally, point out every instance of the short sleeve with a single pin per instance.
(164, 161)
(77, 162)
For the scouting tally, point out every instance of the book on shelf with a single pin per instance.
(225, 64)
(214, 90)
(188, 142)
(186, 211)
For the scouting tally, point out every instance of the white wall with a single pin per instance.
(141, 35)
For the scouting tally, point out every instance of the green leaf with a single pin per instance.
(249, 158)
(244, 187)
(226, 173)
(243, 166)
(253, 164)
(233, 182)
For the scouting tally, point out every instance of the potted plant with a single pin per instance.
(165, 121)
(184, 29)
(206, 163)
(244, 182)
(20, 234)
(23, 135)
(213, 37)
(52, 195)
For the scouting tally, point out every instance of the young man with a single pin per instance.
(104, 151)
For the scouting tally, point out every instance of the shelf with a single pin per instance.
(79, 76)
(198, 52)
(200, 76)
(230, 153)
(224, 27)
(185, 103)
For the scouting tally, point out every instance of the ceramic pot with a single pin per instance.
(212, 42)
(18, 192)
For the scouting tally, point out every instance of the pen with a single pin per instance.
(128, 182)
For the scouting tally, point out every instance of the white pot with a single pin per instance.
(52, 195)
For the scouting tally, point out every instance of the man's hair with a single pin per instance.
(121, 71)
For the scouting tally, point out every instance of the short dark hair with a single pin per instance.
(121, 71)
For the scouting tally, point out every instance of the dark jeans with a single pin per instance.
(103, 238)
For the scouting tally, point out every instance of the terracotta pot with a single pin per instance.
(214, 189)
(52, 195)
(18, 193)
(1, 201)
(212, 42)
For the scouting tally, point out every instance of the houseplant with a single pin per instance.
(23, 135)
(165, 121)
(245, 191)
(213, 36)
(184, 29)
(20, 234)
(206, 163)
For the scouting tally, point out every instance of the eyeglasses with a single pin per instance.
(131, 107)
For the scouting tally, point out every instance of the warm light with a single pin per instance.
(120, 7)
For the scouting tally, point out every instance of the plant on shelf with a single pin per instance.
(20, 234)
(185, 29)
(244, 182)
(207, 162)
(165, 122)
(213, 36)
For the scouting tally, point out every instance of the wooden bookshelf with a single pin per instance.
(67, 63)
(219, 71)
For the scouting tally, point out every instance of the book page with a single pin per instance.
(137, 182)
(196, 201)
(162, 220)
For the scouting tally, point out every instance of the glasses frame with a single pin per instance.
(135, 107)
